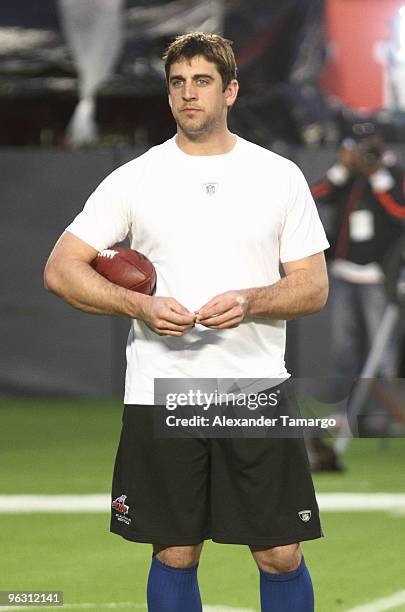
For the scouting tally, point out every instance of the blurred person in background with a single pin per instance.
(363, 196)
(365, 190)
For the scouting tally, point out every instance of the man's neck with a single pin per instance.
(217, 144)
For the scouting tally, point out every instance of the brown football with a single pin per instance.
(126, 268)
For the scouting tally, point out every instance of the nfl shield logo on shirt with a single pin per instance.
(210, 188)
(304, 515)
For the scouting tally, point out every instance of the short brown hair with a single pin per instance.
(213, 47)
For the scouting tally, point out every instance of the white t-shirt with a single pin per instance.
(208, 224)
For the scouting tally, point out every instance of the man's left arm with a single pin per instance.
(302, 291)
(388, 188)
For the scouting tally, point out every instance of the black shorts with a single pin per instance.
(182, 491)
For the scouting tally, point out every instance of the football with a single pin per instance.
(126, 268)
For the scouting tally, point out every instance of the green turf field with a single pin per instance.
(60, 447)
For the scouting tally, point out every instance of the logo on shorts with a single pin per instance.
(210, 188)
(305, 515)
(121, 507)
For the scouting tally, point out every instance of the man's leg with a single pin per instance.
(374, 303)
(285, 583)
(348, 332)
(172, 582)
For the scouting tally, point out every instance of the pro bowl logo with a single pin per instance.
(122, 508)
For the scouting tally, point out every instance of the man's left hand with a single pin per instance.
(224, 311)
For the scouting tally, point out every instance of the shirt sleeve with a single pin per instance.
(302, 233)
(388, 189)
(105, 218)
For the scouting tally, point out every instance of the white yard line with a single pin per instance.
(225, 609)
(352, 502)
(328, 502)
(384, 603)
(54, 503)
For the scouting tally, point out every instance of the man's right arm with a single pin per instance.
(328, 188)
(69, 275)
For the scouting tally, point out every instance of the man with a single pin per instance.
(364, 190)
(215, 214)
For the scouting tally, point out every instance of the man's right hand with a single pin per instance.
(165, 316)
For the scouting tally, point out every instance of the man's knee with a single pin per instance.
(278, 559)
(180, 557)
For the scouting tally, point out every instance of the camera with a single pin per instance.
(370, 152)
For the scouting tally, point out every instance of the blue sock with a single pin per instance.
(173, 590)
(289, 592)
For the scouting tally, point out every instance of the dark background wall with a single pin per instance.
(46, 346)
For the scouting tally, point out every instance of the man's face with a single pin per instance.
(196, 97)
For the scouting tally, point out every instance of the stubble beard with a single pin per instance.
(200, 130)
